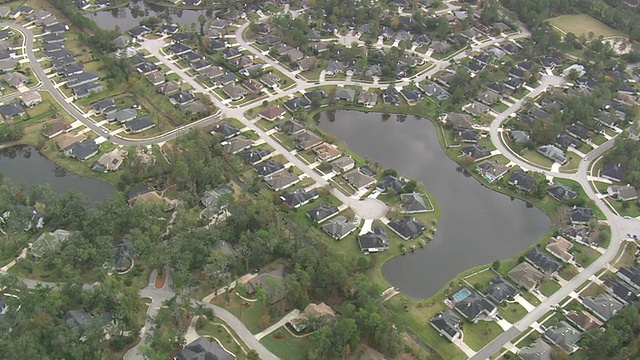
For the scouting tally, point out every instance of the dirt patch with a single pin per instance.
(160, 280)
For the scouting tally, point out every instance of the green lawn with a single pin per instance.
(535, 158)
(568, 272)
(286, 346)
(480, 281)
(583, 24)
(548, 287)
(250, 313)
(532, 299)
(228, 339)
(584, 255)
(480, 334)
(512, 312)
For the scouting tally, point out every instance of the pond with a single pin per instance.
(477, 225)
(129, 16)
(24, 165)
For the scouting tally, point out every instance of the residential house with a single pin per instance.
(313, 314)
(123, 256)
(345, 94)
(391, 97)
(579, 132)
(15, 79)
(203, 348)
(79, 320)
(82, 150)
(48, 243)
(139, 125)
(631, 275)
(281, 180)
(373, 241)
(306, 140)
(521, 180)
(603, 306)
(580, 215)
(81, 79)
(215, 202)
(254, 156)
(611, 171)
(583, 320)
(146, 67)
(623, 193)
(413, 203)
(412, 96)
(553, 153)
(542, 261)
(475, 307)
(30, 99)
(475, 152)
(86, 89)
(525, 275)
(110, 161)
(519, 136)
(55, 128)
(561, 192)
(297, 103)
(538, 350)
(122, 116)
(407, 227)
(564, 336)
(300, 197)
(391, 182)
(182, 98)
(271, 80)
(253, 85)
(491, 170)
(343, 164)
(294, 54)
(326, 152)
(269, 167)
(560, 247)
(475, 108)
(467, 136)
(236, 144)
(577, 233)
(339, 227)
(271, 282)
(11, 110)
(168, 88)
(564, 141)
(231, 53)
(65, 141)
(358, 180)
(500, 290)
(622, 291)
(334, 67)
(235, 92)
(322, 212)
(459, 120)
(447, 324)
(105, 106)
(290, 127)
(489, 97)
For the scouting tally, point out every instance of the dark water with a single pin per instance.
(477, 225)
(24, 165)
(125, 19)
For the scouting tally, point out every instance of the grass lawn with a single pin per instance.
(583, 24)
(285, 346)
(250, 313)
(592, 290)
(588, 202)
(568, 272)
(213, 329)
(628, 257)
(628, 208)
(532, 299)
(481, 280)
(512, 312)
(480, 334)
(572, 165)
(535, 158)
(548, 287)
(584, 255)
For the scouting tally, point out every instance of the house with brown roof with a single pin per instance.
(272, 113)
(358, 180)
(326, 152)
(31, 98)
(110, 161)
(367, 98)
(623, 193)
(253, 85)
(307, 63)
(559, 247)
(55, 128)
(526, 275)
(307, 139)
(583, 320)
(67, 140)
(459, 120)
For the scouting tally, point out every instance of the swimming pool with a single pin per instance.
(461, 295)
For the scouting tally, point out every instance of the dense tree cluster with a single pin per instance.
(620, 340)
(626, 153)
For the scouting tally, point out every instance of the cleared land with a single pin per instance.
(583, 24)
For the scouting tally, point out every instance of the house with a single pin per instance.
(579, 132)
(82, 150)
(168, 88)
(146, 67)
(447, 324)
(373, 241)
(553, 153)
(56, 28)
(489, 97)
(491, 170)
(181, 98)
(577, 233)
(123, 256)
(458, 120)
(290, 127)
(603, 306)
(521, 180)
(322, 212)
(298, 198)
(345, 94)
(500, 290)
(236, 144)
(65, 141)
(339, 227)
(105, 106)
(513, 83)
(412, 96)
(202, 348)
(313, 314)
(294, 54)
(560, 247)
(254, 156)
(391, 97)
(81, 79)
(55, 128)
(281, 180)
(525, 275)
(79, 320)
(622, 291)
(326, 152)
(235, 92)
(139, 31)
(271, 282)
(519, 136)
(11, 110)
(542, 261)
(268, 168)
(473, 306)
(334, 67)
(580, 215)
(538, 350)
(110, 161)
(623, 193)
(253, 85)
(48, 243)
(550, 62)
(391, 182)
(583, 320)
(563, 335)
(407, 227)
(297, 103)
(271, 80)
(15, 79)
(475, 152)
(306, 140)
(475, 108)
(421, 40)
(231, 53)
(358, 180)
(139, 125)
(122, 116)
(53, 38)
(143, 193)
(467, 135)
(4, 11)
(561, 192)
(611, 171)
(225, 79)
(564, 141)
(84, 90)
(343, 164)
(215, 201)
(30, 99)
(413, 203)
(631, 275)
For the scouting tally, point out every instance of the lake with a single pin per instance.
(477, 225)
(24, 165)
(125, 19)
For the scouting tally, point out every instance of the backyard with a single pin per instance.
(583, 24)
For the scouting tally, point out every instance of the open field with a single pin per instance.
(583, 24)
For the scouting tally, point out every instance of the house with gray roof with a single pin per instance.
(526, 275)
(611, 171)
(204, 349)
(554, 153)
(236, 144)
(122, 116)
(407, 227)
(563, 335)
(343, 164)
(307, 139)
(373, 241)
(561, 192)
(281, 180)
(413, 203)
(48, 243)
(491, 170)
(334, 67)
(225, 130)
(395, 183)
(271, 282)
(447, 324)
(322, 212)
(15, 79)
(474, 307)
(345, 94)
(521, 180)
(300, 197)
(603, 306)
(580, 215)
(339, 227)
(138, 125)
(542, 261)
(500, 290)
(538, 350)
(358, 180)
(459, 120)
(254, 156)
(82, 150)
(11, 110)
(475, 152)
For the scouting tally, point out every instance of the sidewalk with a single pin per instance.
(290, 316)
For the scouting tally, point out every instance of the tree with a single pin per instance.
(202, 20)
